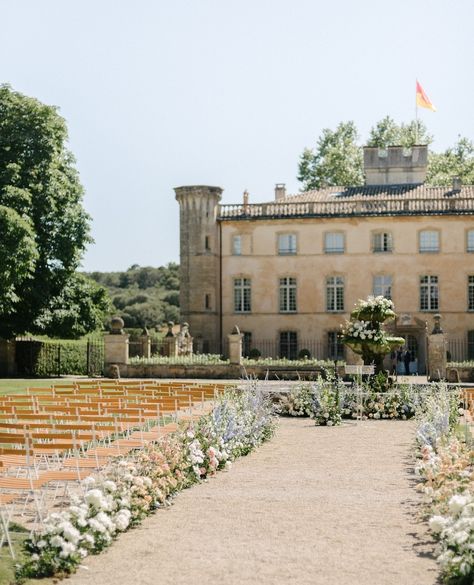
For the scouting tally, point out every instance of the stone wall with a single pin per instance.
(220, 371)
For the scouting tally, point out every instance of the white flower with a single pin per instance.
(57, 541)
(437, 523)
(457, 503)
(110, 486)
(95, 498)
(70, 533)
(67, 550)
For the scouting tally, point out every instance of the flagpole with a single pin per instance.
(416, 115)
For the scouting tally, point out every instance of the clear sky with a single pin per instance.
(160, 93)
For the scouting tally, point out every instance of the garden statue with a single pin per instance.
(364, 333)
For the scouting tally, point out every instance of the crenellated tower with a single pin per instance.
(200, 261)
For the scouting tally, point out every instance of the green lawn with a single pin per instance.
(18, 385)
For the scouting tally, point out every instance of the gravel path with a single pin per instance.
(314, 506)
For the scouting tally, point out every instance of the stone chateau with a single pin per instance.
(289, 271)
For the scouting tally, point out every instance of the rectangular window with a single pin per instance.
(207, 301)
(470, 345)
(242, 295)
(335, 293)
(287, 295)
(470, 241)
(237, 245)
(470, 293)
(246, 343)
(429, 293)
(382, 242)
(288, 344)
(335, 346)
(333, 243)
(286, 244)
(382, 286)
(207, 243)
(429, 241)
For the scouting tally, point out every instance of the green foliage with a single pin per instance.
(39, 182)
(388, 133)
(80, 308)
(457, 161)
(18, 253)
(143, 296)
(336, 160)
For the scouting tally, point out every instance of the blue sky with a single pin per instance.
(160, 94)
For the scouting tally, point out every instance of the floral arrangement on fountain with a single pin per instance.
(364, 333)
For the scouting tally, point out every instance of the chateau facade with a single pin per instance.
(288, 272)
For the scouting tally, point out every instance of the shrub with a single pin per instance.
(304, 354)
(254, 353)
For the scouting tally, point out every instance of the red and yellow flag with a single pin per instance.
(422, 99)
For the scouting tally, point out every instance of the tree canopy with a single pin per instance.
(143, 296)
(44, 226)
(337, 158)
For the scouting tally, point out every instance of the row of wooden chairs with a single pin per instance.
(54, 436)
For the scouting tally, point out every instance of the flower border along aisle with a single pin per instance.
(133, 487)
(446, 468)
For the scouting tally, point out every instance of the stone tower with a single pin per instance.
(200, 263)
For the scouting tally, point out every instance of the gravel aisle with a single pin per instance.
(313, 506)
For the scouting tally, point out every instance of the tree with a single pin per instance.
(18, 253)
(457, 161)
(388, 133)
(336, 160)
(81, 307)
(39, 182)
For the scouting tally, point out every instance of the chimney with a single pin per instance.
(457, 184)
(395, 165)
(280, 191)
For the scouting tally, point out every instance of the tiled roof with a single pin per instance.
(378, 192)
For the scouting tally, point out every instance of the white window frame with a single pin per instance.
(334, 294)
(287, 294)
(429, 241)
(287, 244)
(237, 245)
(334, 243)
(470, 241)
(429, 293)
(242, 295)
(383, 287)
(382, 242)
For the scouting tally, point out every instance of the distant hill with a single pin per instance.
(143, 295)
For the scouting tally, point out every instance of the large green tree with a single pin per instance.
(39, 185)
(80, 308)
(18, 253)
(336, 160)
(388, 133)
(337, 157)
(457, 161)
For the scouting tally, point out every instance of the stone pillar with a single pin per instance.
(437, 346)
(7, 357)
(171, 346)
(116, 346)
(235, 346)
(145, 343)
